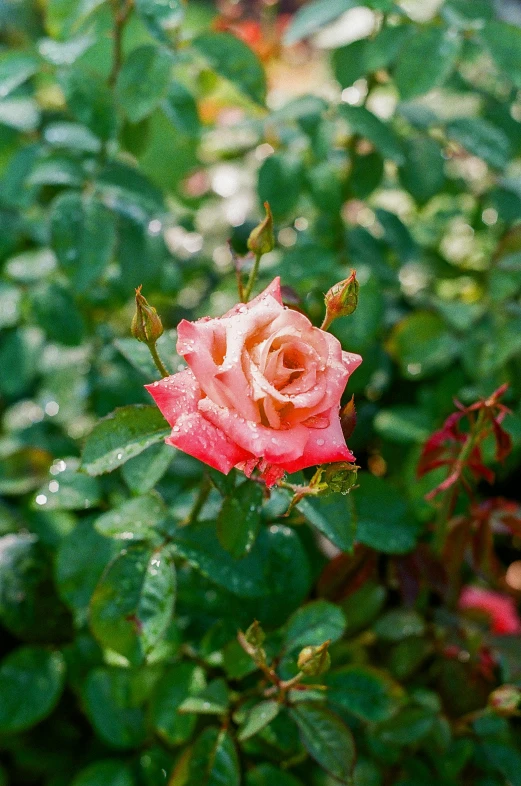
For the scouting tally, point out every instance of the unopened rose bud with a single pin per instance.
(313, 661)
(255, 635)
(341, 300)
(340, 477)
(505, 700)
(348, 418)
(262, 240)
(146, 323)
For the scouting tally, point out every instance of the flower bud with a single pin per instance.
(340, 477)
(348, 418)
(146, 323)
(262, 239)
(341, 300)
(255, 635)
(505, 700)
(313, 661)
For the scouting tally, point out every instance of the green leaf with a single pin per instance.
(181, 109)
(213, 700)
(134, 601)
(178, 682)
(422, 173)
(326, 738)
(134, 519)
(422, 345)
(120, 436)
(15, 69)
(269, 775)
(408, 727)
(436, 49)
(71, 136)
(143, 81)
(214, 760)
(127, 191)
(161, 17)
(362, 606)
(482, 139)
(31, 682)
(65, 53)
(398, 624)
(22, 114)
(313, 16)
(31, 265)
(363, 123)
(366, 692)
(29, 606)
(83, 234)
(313, 624)
(81, 559)
(280, 183)
(275, 572)
(383, 521)
(57, 314)
(143, 472)
(10, 297)
(239, 519)
(234, 60)
(72, 491)
(258, 717)
(504, 758)
(20, 352)
(403, 424)
(90, 101)
(330, 515)
(111, 707)
(108, 771)
(504, 44)
(364, 57)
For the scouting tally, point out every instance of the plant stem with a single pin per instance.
(251, 280)
(157, 360)
(326, 323)
(121, 14)
(204, 491)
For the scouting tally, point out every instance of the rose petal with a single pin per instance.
(198, 437)
(176, 395)
(270, 444)
(272, 289)
(324, 446)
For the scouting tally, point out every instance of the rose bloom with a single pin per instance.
(500, 609)
(262, 390)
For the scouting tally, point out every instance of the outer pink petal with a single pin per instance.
(272, 289)
(324, 446)
(196, 436)
(176, 395)
(351, 361)
(275, 446)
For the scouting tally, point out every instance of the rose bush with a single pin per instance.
(163, 623)
(262, 390)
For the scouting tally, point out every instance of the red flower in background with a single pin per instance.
(501, 609)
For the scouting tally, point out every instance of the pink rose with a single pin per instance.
(500, 608)
(262, 390)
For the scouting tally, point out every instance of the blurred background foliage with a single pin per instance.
(136, 140)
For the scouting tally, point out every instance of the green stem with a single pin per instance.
(121, 14)
(252, 278)
(326, 323)
(157, 360)
(204, 492)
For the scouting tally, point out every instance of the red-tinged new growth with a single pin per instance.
(460, 451)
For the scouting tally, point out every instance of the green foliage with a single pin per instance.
(136, 139)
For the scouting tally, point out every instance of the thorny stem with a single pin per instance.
(157, 360)
(251, 280)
